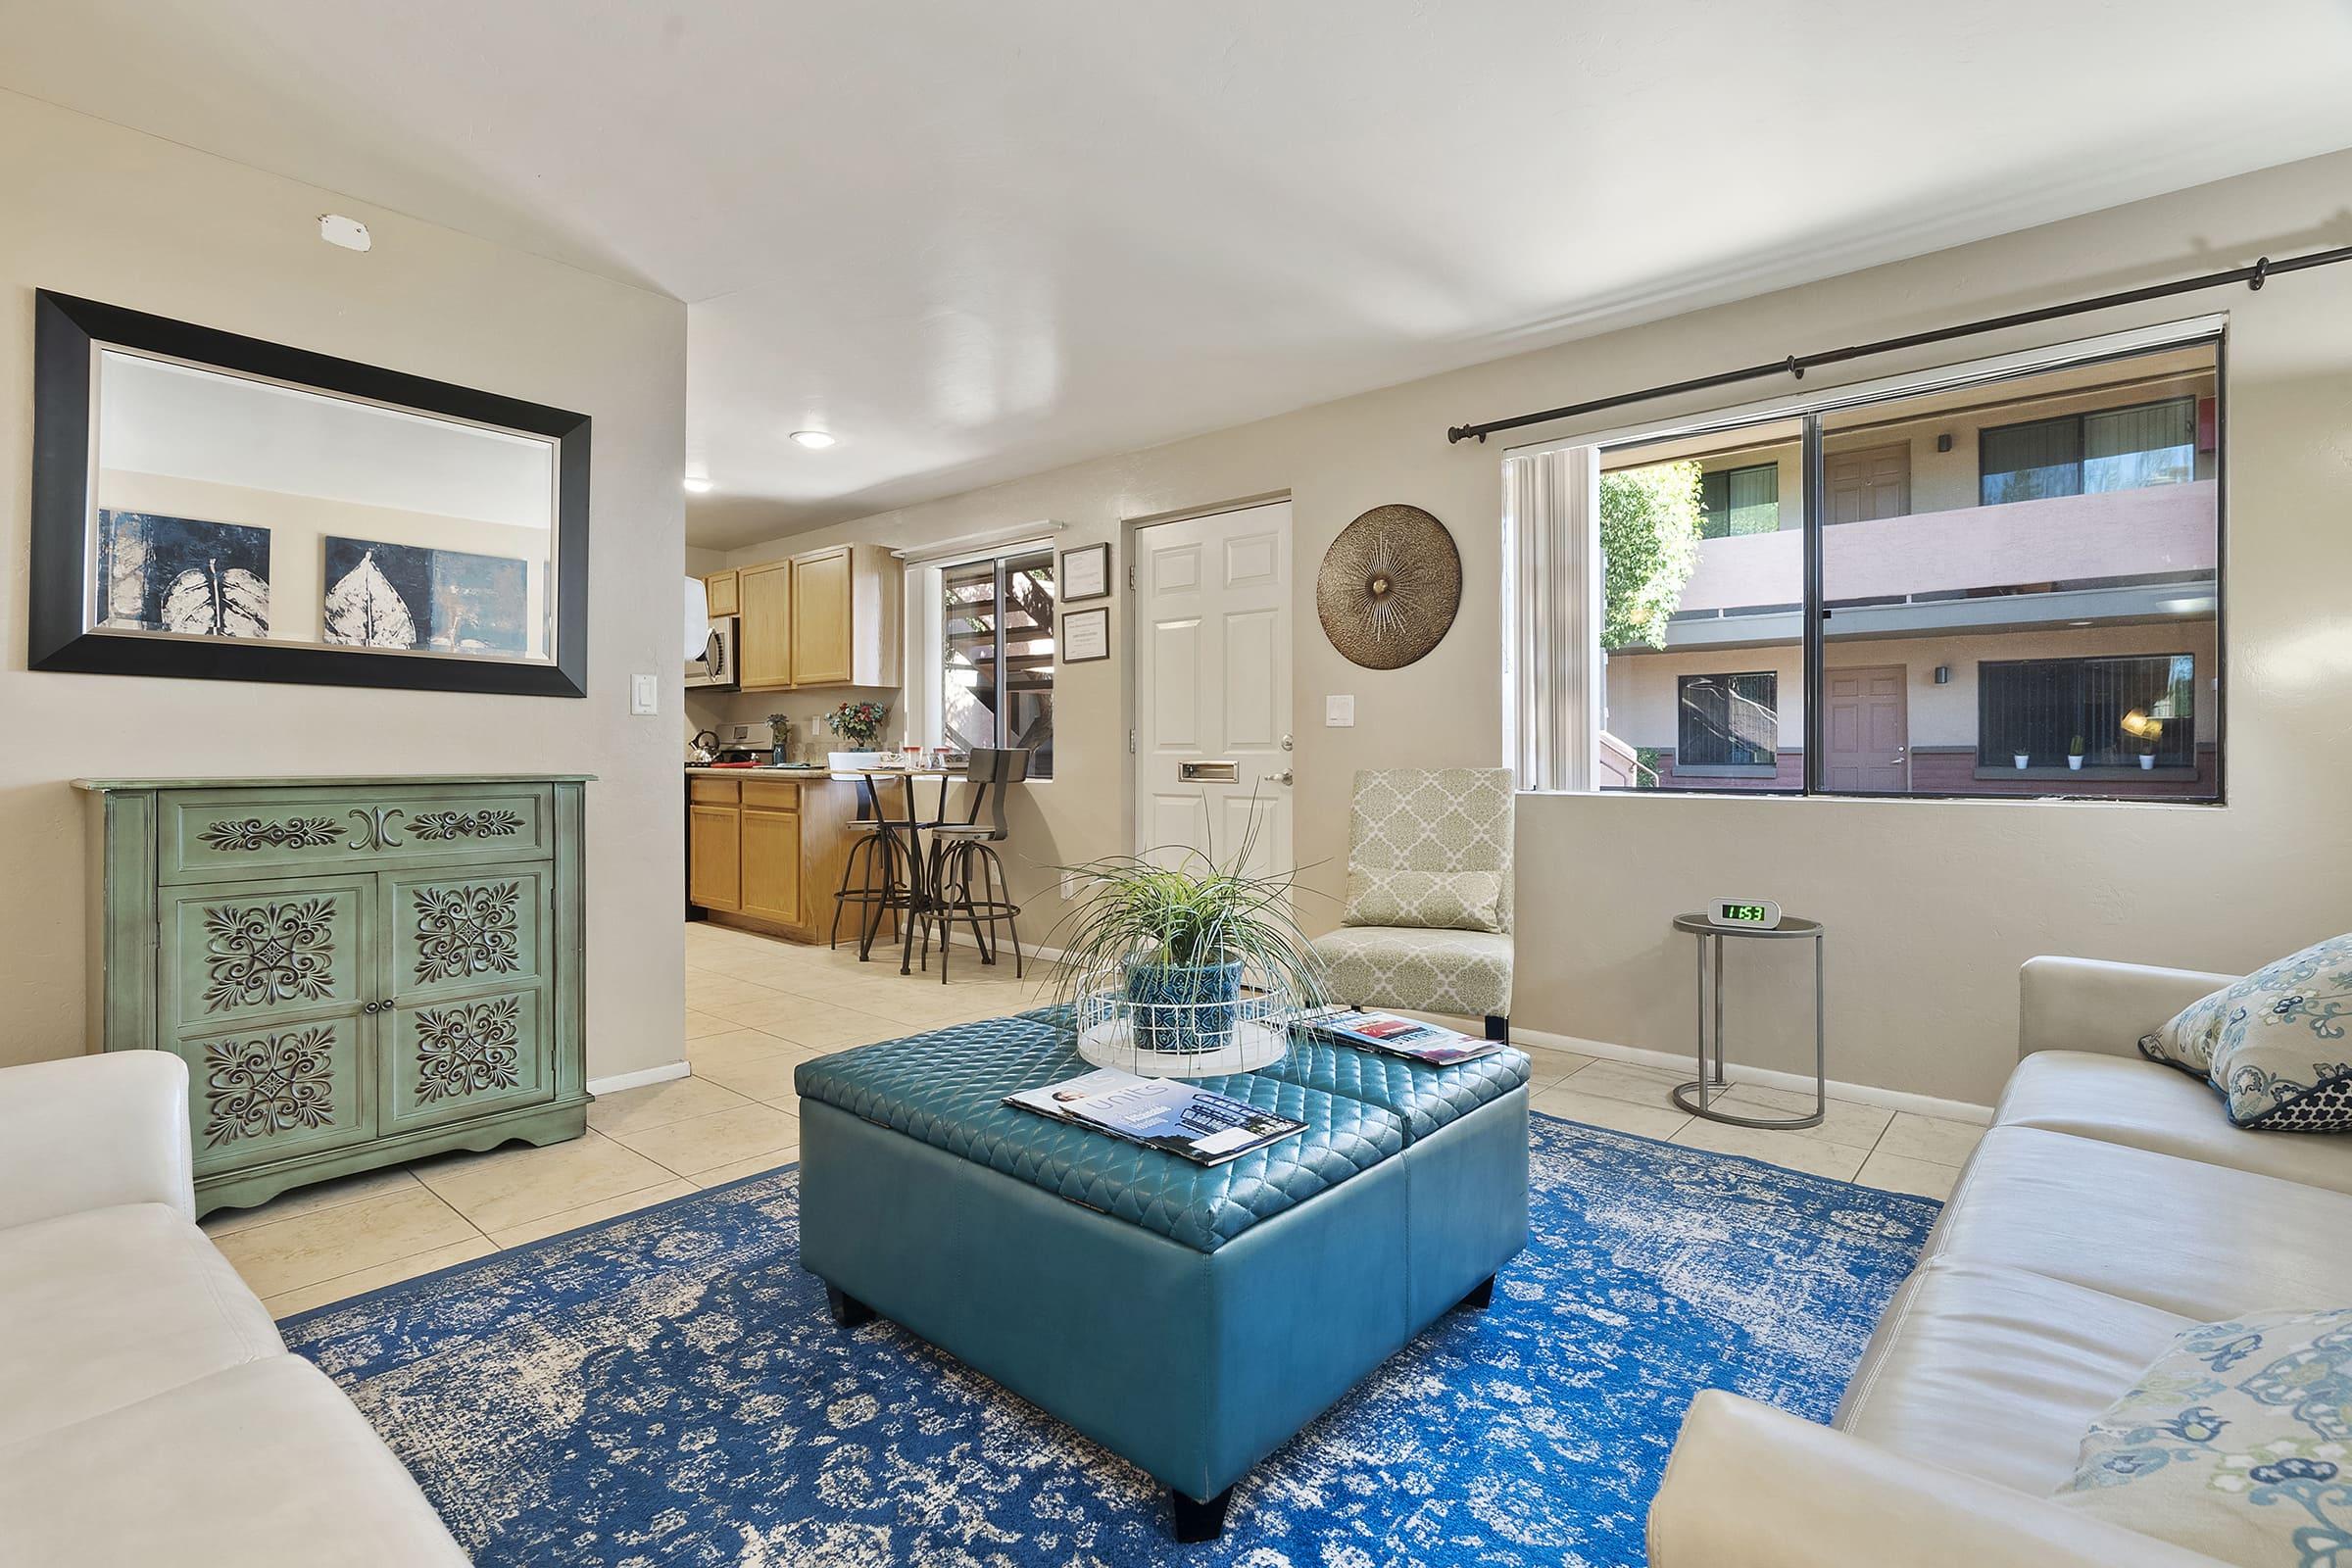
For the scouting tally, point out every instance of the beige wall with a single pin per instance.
(95, 210)
(1922, 953)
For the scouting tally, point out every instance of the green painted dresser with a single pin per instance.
(356, 971)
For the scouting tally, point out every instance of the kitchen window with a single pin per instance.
(993, 625)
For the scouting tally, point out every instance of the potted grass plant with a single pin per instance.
(1181, 937)
(2073, 754)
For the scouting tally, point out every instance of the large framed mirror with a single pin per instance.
(218, 507)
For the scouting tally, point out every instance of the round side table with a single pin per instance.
(1698, 1096)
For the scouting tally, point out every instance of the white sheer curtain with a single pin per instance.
(1551, 518)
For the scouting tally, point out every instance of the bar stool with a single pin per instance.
(874, 875)
(962, 852)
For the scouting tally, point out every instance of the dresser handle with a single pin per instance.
(376, 820)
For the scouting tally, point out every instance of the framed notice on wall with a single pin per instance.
(1085, 635)
(1086, 573)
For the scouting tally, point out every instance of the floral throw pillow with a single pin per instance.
(2275, 1044)
(1430, 901)
(2236, 1442)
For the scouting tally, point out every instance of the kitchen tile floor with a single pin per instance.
(755, 1008)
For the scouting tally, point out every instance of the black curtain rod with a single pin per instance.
(1796, 365)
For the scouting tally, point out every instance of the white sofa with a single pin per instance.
(2110, 1205)
(149, 1413)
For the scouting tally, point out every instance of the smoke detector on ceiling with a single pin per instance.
(348, 232)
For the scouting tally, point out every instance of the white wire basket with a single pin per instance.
(1184, 1039)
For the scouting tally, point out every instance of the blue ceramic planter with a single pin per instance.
(1184, 1010)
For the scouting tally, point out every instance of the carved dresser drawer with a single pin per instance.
(203, 834)
(356, 971)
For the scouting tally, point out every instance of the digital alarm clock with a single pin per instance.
(1744, 913)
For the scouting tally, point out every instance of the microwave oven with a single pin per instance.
(717, 668)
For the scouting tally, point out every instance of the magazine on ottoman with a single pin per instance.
(1182, 1118)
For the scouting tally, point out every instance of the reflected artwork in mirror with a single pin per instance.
(218, 507)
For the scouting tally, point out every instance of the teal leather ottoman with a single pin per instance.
(1189, 1319)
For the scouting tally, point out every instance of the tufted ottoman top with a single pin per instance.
(1426, 1096)
(946, 1087)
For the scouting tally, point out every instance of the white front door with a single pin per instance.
(1212, 687)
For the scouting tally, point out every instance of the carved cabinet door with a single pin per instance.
(266, 987)
(466, 1025)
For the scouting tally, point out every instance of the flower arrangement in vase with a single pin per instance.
(857, 722)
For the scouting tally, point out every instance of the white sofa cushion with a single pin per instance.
(106, 1307)
(2119, 1101)
(1994, 1372)
(264, 1465)
(2234, 1443)
(2201, 1241)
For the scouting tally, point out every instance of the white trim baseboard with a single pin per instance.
(1802, 1083)
(639, 1079)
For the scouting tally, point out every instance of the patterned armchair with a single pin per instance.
(1428, 923)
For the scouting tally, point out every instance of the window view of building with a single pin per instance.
(2018, 592)
(997, 647)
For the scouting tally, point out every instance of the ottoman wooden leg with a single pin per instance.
(1482, 1295)
(1200, 1521)
(848, 1310)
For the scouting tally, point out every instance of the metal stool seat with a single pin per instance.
(966, 875)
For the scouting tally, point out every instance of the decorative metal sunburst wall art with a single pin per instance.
(1389, 587)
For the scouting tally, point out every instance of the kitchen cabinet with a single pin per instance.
(823, 617)
(763, 627)
(765, 853)
(719, 589)
(358, 971)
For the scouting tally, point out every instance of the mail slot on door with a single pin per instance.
(1209, 773)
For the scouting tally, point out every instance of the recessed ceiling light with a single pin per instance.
(697, 485)
(814, 440)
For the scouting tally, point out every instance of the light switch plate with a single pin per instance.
(1339, 712)
(645, 694)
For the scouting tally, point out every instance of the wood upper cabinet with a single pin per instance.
(719, 589)
(764, 634)
(825, 618)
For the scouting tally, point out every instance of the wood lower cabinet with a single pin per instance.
(765, 853)
(356, 971)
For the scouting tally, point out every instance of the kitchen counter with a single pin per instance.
(804, 769)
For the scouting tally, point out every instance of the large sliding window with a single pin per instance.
(1920, 634)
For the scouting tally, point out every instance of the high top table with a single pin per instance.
(909, 829)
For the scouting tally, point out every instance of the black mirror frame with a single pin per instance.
(65, 330)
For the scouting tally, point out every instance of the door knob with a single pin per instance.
(1283, 777)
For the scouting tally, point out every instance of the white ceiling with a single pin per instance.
(979, 239)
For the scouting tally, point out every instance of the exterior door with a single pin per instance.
(1867, 486)
(1868, 733)
(1212, 687)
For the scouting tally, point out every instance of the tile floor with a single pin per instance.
(756, 1008)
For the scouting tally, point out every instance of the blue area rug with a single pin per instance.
(666, 1388)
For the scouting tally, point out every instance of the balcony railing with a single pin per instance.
(2162, 531)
